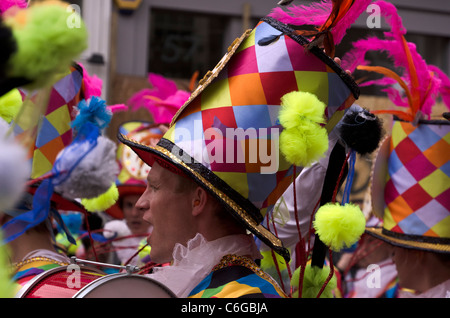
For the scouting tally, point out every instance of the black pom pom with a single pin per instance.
(361, 130)
(8, 47)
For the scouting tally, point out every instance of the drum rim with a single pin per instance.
(102, 280)
(33, 282)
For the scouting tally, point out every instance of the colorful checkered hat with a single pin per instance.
(45, 135)
(54, 131)
(411, 185)
(242, 95)
(410, 181)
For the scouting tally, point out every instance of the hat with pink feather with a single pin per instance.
(410, 182)
(162, 102)
(268, 77)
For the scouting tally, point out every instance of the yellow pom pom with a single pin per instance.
(144, 249)
(296, 106)
(103, 201)
(313, 280)
(10, 104)
(339, 226)
(302, 140)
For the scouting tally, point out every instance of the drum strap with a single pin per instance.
(38, 259)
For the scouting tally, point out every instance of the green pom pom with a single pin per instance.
(302, 140)
(313, 280)
(10, 104)
(7, 289)
(47, 43)
(339, 226)
(299, 105)
(268, 266)
(103, 201)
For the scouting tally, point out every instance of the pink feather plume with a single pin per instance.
(7, 4)
(444, 88)
(163, 100)
(317, 13)
(314, 14)
(93, 86)
(392, 44)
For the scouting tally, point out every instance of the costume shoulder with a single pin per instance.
(245, 280)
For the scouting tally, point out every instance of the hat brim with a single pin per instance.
(173, 163)
(124, 189)
(60, 202)
(413, 243)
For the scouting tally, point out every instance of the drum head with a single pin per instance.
(124, 285)
(59, 282)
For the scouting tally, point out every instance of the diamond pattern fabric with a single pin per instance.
(418, 187)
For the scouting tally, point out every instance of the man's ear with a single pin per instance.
(199, 200)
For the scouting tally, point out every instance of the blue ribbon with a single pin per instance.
(22, 223)
(71, 156)
(84, 142)
(349, 181)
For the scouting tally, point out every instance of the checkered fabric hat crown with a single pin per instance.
(411, 185)
(55, 131)
(226, 136)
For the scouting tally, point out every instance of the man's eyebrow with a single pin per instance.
(152, 180)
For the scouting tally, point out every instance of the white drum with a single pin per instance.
(124, 285)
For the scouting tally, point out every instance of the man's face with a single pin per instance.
(373, 251)
(133, 215)
(168, 211)
(405, 261)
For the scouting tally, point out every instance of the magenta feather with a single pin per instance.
(163, 100)
(392, 44)
(358, 7)
(163, 88)
(444, 88)
(7, 4)
(317, 13)
(92, 84)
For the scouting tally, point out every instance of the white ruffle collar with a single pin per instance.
(192, 263)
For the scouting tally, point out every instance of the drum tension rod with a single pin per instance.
(130, 269)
